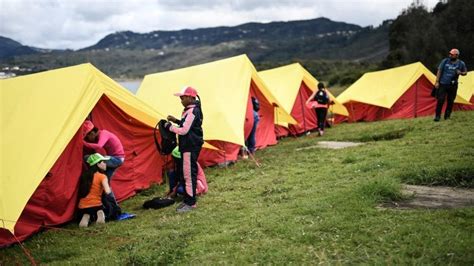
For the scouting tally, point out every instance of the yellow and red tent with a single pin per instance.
(400, 92)
(42, 147)
(225, 88)
(292, 85)
(465, 95)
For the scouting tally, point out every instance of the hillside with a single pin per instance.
(130, 55)
(10, 48)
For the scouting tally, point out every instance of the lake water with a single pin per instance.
(131, 85)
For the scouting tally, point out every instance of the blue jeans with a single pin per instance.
(251, 140)
(112, 165)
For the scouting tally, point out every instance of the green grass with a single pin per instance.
(302, 207)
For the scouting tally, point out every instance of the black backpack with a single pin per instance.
(168, 139)
(158, 203)
(322, 97)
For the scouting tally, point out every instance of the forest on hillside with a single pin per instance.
(420, 35)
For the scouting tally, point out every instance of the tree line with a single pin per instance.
(420, 35)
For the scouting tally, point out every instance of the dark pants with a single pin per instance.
(190, 172)
(321, 116)
(251, 140)
(112, 165)
(450, 91)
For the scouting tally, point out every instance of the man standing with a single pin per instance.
(447, 82)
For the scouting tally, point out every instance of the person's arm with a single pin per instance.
(438, 76)
(105, 184)
(462, 72)
(172, 119)
(186, 125)
(311, 97)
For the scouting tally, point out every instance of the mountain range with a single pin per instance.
(129, 54)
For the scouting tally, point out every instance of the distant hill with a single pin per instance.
(263, 32)
(10, 48)
(128, 54)
(316, 38)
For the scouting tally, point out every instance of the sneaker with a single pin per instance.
(100, 217)
(436, 119)
(185, 208)
(85, 220)
(308, 133)
(321, 132)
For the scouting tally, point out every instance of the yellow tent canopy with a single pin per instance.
(40, 114)
(465, 89)
(383, 88)
(223, 86)
(284, 82)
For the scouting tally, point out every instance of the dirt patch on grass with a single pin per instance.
(332, 145)
(433, 198)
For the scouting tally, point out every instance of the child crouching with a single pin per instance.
(92, 184)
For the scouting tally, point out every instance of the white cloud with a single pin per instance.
(80, 23)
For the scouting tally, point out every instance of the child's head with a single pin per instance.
(187, 95)
(99, 160)
(89, 131)
(320, 86)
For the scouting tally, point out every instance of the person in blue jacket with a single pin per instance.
(447, 82)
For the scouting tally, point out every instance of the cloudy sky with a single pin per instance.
(79, 23)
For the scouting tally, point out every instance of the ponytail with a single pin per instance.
(85, 182)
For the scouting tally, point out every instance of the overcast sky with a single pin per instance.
(79, 23)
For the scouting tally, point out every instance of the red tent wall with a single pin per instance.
(55, 199)
(416, 101)
(265, 135)
(306, 117)
(464, 107)
(143, 164)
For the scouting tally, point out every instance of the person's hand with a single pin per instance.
(171, 118)
(167, 125)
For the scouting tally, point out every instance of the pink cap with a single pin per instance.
(187, 91)
(87, 126)
(454, 51)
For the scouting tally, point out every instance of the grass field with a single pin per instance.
(303, 207)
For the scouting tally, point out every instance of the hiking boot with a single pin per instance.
(185, 208)
(436, 119)
(85, 220)
(100, 217)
